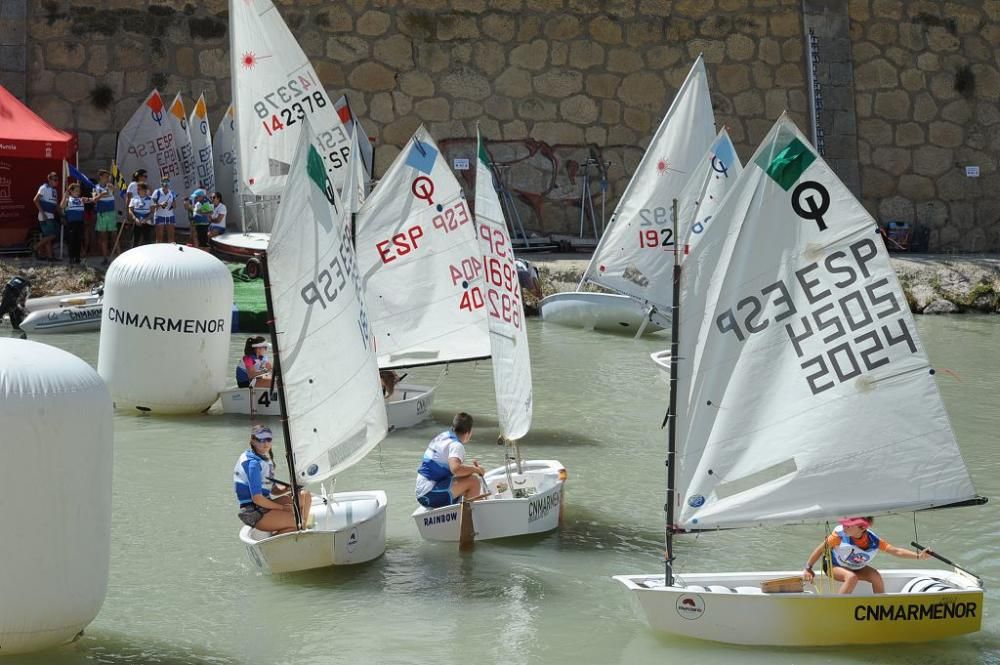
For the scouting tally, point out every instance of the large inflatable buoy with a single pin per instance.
(165, 329)
(56, 501)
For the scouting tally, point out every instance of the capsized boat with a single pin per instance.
(325, 371)
(522, 496)
(633, 256)
(786, 386)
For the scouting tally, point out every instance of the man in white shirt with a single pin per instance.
(443, 477)
(218, 217)
(46, 201)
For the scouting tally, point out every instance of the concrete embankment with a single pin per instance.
(933, 283)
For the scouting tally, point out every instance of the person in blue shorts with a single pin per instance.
(443, 477)
(253, 477)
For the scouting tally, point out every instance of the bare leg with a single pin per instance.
(159, 232)
(170, 232)
(467, 487)
(277, 522)
(873, 577)
(848, 577)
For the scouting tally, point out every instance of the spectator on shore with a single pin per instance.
(218, 217)
(73, 203)
(140, 213)
(47, 202)
(107, 222)
(201, 210)
(133, 187)
(164, 200)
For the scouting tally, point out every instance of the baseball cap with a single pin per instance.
(261, 345)
(261, 433)
(854, 521)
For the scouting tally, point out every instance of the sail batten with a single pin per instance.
(804, 392)
(635, 255)
(420, 261)
(329, 376)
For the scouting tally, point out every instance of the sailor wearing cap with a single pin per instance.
(253, 477)
(164, 218)
(852, 546)
(254, 368)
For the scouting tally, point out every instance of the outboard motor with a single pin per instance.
(527, 276)
(14, 300)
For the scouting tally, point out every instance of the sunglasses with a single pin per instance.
(264, 440)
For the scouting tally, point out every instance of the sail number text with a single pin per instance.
(847, 330)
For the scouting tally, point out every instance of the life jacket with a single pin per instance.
(142, 207)
(242, 375)
(160, 196)
(105, 200)
(74, 209)
(434, 465)
(247, 465)
(48, 200)
(848, 555)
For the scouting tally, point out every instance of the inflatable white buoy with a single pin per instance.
(56, 501)
(165, 329)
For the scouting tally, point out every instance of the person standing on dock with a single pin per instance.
(47, 202)
(443, 477)
(107, 221)
(164, 218)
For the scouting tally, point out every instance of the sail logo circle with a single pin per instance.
(423, 189)
(807, 207)
(696, 501)
(690, 606)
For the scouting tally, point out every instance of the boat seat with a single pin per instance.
(345, 513)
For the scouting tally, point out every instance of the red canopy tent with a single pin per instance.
(29, 149)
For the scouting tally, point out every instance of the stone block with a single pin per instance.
(897, 208)
(346, 49)
(940, 40)
(530, 28)
(514, 82)
(371, 77)
(770, 51)
(946, 134)
(461, 53)
(878, 73)
(645, 32)
(790, 76)
(638, 120)
(579, 109)
(533, 108)
(883, 33)
(713, 50)
(558, 83)
(381, 109)
(74, 86)
(335, 20)
(932, 161)
(941, 306)
(661, 57)
(432, 57)
(611, 112)
(895, 161)
(913, 80)
(402, 103)
(56, 111)
(877, 184)
(463, 109)
(786, 24)
(740, 47)
(894, 105)
(605, 30)
(791, 50)
(863, 104)
(732, 5)
(501, 108)
(680, 30)
(932, 214)
(456, 26)
(490, 57)
(331, 74)
(775, 102)
(750, 104)
(915, 187)
(909, 134)
(395, 51)
(987, 82)
(500, 27)
(580, 7)
(732, 79)
(465, 83)
(562, 27)
(373, 23)
(763, 75)
(624, 60)
(557, 133)
(987, 114)
(585, 54)
(137, 82)
(514, 130)
(959, 111)
(400, 131)
(643, 90)
(596, 135)
(559, 54)
(384, 155)
(602, 85)
(954, 186)
(925, 108)
(531, 56)
(656, 8)
(929, 62)
(621, 135)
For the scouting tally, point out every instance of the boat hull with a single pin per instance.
(502, 515)
(240, 245)
(729, 607)
(607, 312)
(349, 529)
(662, 360)
(63, 319)
(409, 405)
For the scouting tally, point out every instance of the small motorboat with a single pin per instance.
(608, 312)
(61, 314)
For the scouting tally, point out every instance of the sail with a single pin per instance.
(185, 184)
(804, 391)
(418, 252)
(708, 185)
(354, 128)
(227, 179)
(201, 146)
(274, 89)
(635, 254)
(147, 142)
(508, 332)
(356, 184)
(333, 397)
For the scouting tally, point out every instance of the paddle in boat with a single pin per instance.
(326, 374)
(421, 267)
(698, 202)
(523, 496)
(633, 257)
(800, 393)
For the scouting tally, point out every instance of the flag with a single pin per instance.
(80, 177)
(118, 180)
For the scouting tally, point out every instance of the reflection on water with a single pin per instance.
(182, 590)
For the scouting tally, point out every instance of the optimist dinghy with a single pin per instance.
(523, 496)
(633, 256)
(325, 374)
(786, 385)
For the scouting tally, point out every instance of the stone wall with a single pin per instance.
(556, 81)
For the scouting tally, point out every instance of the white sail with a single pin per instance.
(333, 397)
(201, 145)
(507, 325)
(418, 252)
(804, 391)
(275, 89)
(147, 142)
(354, 128)
(185, 184)
(713, 177)
(227, 178)
(356, 184)
(635, 254)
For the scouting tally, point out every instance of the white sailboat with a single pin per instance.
(226, 162)
(201, 146)
(325, 371)
(353, 125)
(147, 142)
(787, 380)
(698, 202)
(524, 496)
(186, 183)
(633, 256)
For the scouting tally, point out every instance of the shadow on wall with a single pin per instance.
(545, 181)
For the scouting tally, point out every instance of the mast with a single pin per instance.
(276, 380)
(671, 409)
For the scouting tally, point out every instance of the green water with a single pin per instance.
(182, 589)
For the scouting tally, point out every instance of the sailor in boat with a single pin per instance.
(389, 380)
(852, 547)
(443, 477)
(254, 367)
(254, 477)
